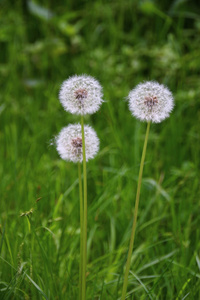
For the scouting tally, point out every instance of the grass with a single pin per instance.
(120, 43)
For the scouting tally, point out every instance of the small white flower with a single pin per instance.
(69, 143)
(151, 101)
(81, 95)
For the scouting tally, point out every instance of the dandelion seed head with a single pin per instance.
(151, 101)
(81, 95)
(69, 143)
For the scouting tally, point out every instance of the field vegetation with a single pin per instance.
(121, 43)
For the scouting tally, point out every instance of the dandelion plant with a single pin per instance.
(80, 95)
(150, 102)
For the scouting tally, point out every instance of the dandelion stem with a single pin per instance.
(84, 214)
(128, 262)
(81, 234)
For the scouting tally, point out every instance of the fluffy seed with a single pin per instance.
(81, 95)
(69, 143)
(151, 101)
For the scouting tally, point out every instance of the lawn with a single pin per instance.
(120, 43)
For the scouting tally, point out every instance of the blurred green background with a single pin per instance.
(120, 43)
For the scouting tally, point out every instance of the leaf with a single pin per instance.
(39, 11)
(37, 287)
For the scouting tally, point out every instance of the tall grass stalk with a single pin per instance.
(81, 233)
(84, 214)
(128, 262)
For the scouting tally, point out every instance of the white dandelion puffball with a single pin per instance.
(151, 101)
(69, 143)
(81, 95)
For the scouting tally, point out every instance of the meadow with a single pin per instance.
(121, 43)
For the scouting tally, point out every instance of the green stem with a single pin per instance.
(81, 234)
(84, 214)
(128, 263)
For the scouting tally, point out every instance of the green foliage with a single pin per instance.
(120, 43)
